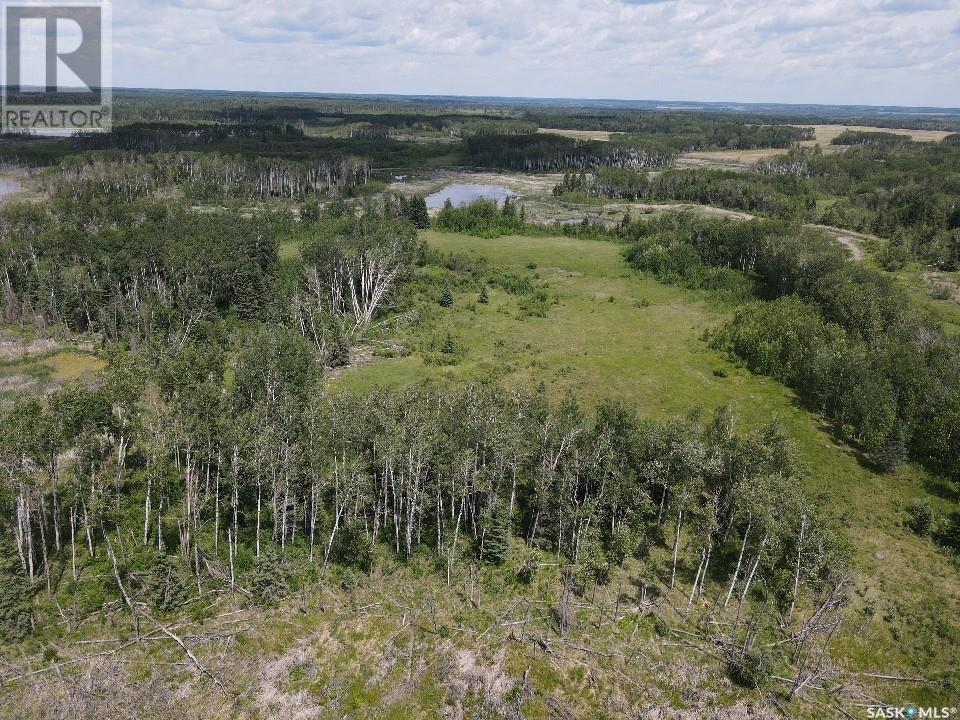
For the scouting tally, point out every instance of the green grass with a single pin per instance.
(60, 366)
(654, 357)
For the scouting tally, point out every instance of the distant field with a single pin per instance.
(824, 136)
(826, 133)
(730, 157)
(579, 134)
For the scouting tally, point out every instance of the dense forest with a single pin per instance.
(842, 334)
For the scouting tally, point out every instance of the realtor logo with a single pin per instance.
(56, 66)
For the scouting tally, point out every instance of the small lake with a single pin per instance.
(466, 194)
(8, 187)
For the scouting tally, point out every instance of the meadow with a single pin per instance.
(614, 331)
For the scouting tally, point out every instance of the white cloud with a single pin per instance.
(836, 51)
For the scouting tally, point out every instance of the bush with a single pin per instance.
(16, 615)
(354, 549)
(749, 669)
(168, 585)
(920, 518)
(941, 292)
(949, 535)
(269, 578)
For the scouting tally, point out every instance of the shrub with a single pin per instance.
(920, 518)
(941, 292)
(168, 586)
(269, 578)
(16, 615)
(354, 548)
(749, 669)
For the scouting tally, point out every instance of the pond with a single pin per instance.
(466, 194)
(8, 187)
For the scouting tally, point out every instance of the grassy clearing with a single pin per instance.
(937, 292)
(731, 158)
(826, 133)
(613, 332)
(578, 134)
(61, 366)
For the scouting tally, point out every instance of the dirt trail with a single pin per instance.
(848, 238)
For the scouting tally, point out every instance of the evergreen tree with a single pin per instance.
(484, 296)
(269, 579)
(15, 611)
(446, 300)
(496, 545)
(168, 586)
(416, 212)
(449, 348)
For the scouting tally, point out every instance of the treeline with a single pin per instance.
(864, 138)
(157, 137)
(145, 272)
(483, 218)
(154, 274)
(842, 335)
(96, 179)
(782, 195)
(905, 192)
(195, 466)
(683, 131)
(542, 152)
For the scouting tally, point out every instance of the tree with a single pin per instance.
(484, 296)
(449, 346)
(416, 212)
(446, 299)
(496, 542)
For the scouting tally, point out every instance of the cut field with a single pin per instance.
(603, 135)
(826, 133)
(615, 333)
(731, 158)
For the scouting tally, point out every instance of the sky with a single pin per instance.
(875, 52)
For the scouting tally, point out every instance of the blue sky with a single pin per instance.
(882, 52)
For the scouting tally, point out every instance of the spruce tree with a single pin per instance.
(16, 611)
(449, 347)
(269, 578)
(446, 300)
(484, 296)
(496, 545)
(417, 212)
